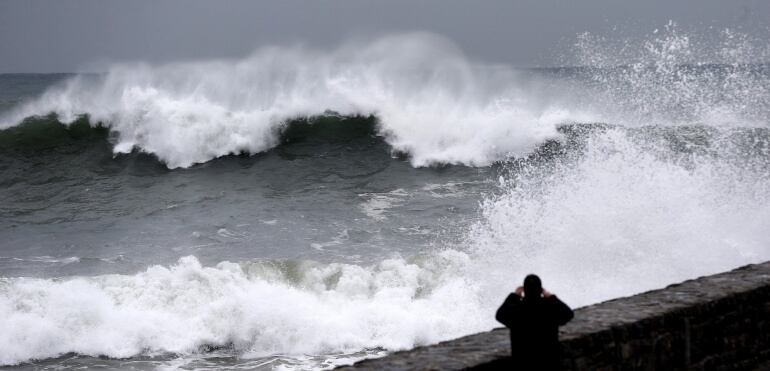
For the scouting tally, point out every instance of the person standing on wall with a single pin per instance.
(533, 316)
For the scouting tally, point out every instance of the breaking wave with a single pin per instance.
(431, 101)
(256, 309)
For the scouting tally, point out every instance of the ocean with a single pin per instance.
(302, 208)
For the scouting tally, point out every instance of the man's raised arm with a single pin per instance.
(507, 312)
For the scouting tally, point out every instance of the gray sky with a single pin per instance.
(83, 35)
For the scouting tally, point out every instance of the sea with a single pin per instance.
(304, 208)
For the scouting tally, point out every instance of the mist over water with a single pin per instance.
(647, 165)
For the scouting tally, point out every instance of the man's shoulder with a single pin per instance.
(513, 297)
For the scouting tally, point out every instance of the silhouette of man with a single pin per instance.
(533, 316)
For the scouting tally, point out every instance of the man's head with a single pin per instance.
(532, 286)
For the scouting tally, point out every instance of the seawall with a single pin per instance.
(719, 322)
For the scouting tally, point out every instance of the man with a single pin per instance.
(533, 316)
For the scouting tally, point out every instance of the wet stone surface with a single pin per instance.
(719, 322)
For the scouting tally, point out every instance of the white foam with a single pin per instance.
(433, 102)
(45, 259)
(256, 307)
(626, 216)
(377, 205)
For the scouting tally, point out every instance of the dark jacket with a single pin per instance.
(534, 326)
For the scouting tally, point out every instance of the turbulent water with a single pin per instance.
(305, 208)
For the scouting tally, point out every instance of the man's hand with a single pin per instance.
(519, 291)
(547, 294)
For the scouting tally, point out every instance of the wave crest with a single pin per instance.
(432, 102)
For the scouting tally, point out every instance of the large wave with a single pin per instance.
(432, 102)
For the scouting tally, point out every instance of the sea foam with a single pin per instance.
(257, 309)
(622, 213)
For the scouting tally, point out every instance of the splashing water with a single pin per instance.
(628, 213)
(675, 78)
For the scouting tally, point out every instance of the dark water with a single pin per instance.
(332, 191)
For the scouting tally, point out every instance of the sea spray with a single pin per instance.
(628, 210)
(673, 77)
(432, 102)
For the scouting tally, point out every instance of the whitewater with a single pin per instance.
(303, 208)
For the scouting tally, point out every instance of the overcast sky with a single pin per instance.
(84, 35)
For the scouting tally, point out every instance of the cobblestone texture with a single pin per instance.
(719, 322)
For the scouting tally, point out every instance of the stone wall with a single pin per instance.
(719, 322)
